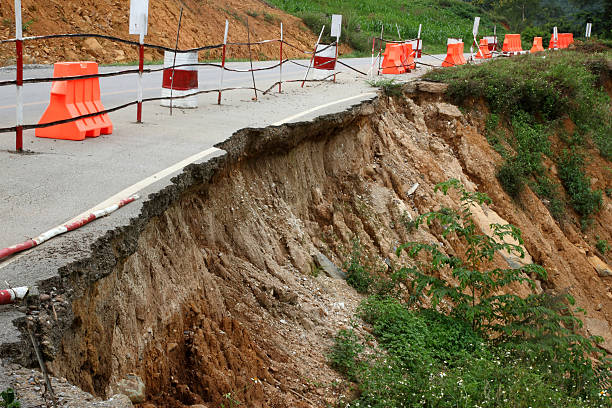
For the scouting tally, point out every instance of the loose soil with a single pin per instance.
(202, 24)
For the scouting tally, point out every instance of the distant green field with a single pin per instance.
(362, 20)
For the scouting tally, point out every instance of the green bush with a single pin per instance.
(578, 186)
(9, 399)
(357, 275)
(602, 245)
(344, 355)
(548, 190)
(511, 177)
(529, 92)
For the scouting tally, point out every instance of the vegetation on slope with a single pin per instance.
(538, 101)
(362, 20)
(474, 347)
(539, 17)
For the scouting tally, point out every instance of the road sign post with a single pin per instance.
(139, 18)
(336, 30)
(19, 76)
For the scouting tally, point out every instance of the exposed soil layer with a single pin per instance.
(202, 24)
(210, 296)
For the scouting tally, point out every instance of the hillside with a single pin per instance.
(202, 24)
(441, 19)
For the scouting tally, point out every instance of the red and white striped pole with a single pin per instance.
(140, 69)
(419, 48)
(314, 53)
(380, 51)
(71, 226)
(8, 296)
(19, 49)
(280, 80)
(223, 61)
(336, 57)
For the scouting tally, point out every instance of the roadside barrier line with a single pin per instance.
(264, 76)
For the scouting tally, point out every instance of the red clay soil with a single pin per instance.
(202, 24)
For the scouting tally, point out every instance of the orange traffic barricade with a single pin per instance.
(563, 41)
(74, 98)
(483, 50)
(393, 59)
(537, 45)
(408, 57)
(454, 53)
(512, 44)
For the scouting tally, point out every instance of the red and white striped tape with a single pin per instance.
(8, 296)
(31, 243)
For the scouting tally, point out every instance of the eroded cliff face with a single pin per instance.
(210, 296)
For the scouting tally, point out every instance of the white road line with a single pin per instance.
(142, 184)
(290, 118)
(135, 188)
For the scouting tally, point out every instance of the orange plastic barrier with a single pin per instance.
(564, 41)
(483, 50)
(512, 44)
(454, 54)
(537, 45)
(408, 57)
(393, 62)
(70, 99)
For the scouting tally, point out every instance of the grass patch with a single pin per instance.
(362, 20)
(389, 87)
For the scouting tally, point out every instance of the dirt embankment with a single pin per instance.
(203, 24)
(210, 295)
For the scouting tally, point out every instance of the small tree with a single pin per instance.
(539, 325)
(475, 296)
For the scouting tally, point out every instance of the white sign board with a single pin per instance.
(588, 30)
(139, 16)
(476, 24)
(336, 25)
(326, 51)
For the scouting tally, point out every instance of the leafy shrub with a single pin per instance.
(9, 399)
(548, 190)
(511, 177)
(578, 186)
(344, 355)
(357, 275)
(602, 245)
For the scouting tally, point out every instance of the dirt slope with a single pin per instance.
(215, 299)
(203, 24)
